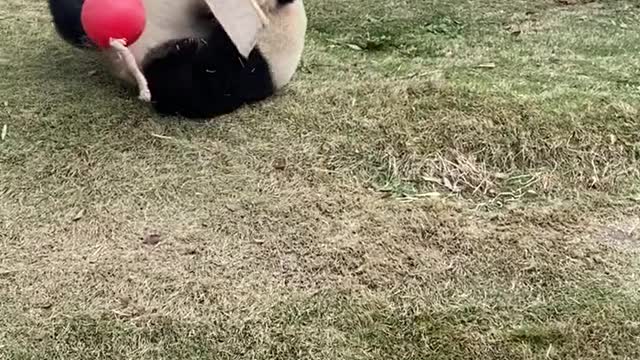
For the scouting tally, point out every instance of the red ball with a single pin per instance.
(103, 20)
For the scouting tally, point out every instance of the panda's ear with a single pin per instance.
(240, 20)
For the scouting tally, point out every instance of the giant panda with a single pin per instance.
(195, 67)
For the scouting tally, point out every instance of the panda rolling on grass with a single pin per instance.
(204, 58)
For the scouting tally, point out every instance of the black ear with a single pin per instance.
(66, 19)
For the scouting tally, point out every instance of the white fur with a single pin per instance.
(165, 21)
(282, 41)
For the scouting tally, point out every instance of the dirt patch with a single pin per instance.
(623, 234)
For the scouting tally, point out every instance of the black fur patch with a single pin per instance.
(66, 18)
(204, 78)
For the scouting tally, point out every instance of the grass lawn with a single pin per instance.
(444, 179)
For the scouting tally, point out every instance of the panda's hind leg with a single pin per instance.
(66, 19)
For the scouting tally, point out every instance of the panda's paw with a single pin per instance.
(145, 95)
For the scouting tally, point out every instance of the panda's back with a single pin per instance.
(166, 20)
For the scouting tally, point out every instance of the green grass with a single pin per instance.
(399, 200)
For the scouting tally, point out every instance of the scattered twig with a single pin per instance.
(486, 66)
(79, 215)
(162, 137)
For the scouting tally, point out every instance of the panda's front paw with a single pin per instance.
(145, 95)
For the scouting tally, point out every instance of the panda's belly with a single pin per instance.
(166, 20)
